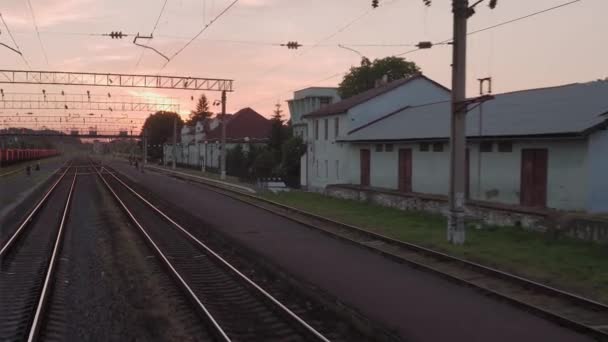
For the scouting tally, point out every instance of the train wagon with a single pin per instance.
(10, 156)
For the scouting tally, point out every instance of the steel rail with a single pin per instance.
(311, 330)
(218, 329)
(46, 288)
(29, 218)
(524, 282)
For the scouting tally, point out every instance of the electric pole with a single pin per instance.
(456, 225)
(223, 143)
(174, 142)
(144, 149)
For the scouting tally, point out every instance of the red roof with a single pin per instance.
(246, 123)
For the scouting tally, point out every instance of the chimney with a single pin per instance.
(382, 81)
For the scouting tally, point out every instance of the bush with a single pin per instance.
(264, 164)
(236, 162)
(293, 149)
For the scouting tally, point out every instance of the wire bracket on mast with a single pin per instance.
(146, 46)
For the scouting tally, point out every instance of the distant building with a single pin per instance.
(538, 148)
(327, 160)
(309, 100)
(201, 143)
(304, 102)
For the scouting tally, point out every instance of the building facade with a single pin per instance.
(201, 144)
(328, 158)
(543, 148)
(306, 101)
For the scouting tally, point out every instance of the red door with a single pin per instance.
(405, 170)
(365, 166)
(534, 177)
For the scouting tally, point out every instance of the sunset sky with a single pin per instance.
(562, 46)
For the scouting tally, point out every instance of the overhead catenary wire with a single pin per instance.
(199, 33)
(37, 31)
(319, 42)
(15, 42)
(141, 55)
(447, 41)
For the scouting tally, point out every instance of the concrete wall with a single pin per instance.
(500, 171)
(598, 172)
(580, 226)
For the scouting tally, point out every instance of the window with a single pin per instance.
(324, 101)
(326, 122)
(437, 147)
(379, 147)
(388, 147)
(316, 123)
(424, 147)
(486, 146)
(317, 167)
(505, 146)
(326, 169)
(336, 127)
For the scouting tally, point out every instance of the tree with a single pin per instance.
(277, 132)
(201, 112)
(159, 128)
(365, 76)
(293, 149)
(236, 162)
(264, 164)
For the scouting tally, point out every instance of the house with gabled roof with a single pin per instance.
(201, 144)
(327, 159)
(537, 148)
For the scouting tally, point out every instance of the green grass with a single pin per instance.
(577, 266)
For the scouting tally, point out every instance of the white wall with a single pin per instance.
(322, 152)
(598, 172)
(500, 172)
(419, 91)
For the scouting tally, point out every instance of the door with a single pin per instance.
(365, 167)
(534, 177)
(405, 170)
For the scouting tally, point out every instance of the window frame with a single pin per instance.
(486, 146)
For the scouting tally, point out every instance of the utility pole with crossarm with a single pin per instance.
(456, 225)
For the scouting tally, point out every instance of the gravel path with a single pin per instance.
(418, 305)
(109, 285)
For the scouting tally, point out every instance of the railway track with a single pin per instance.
(573, 311)
(28, 259)
(234, 307)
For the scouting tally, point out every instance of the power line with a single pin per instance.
(320, 41)
(309, 84)
(199, 33)
(15, 42)
(141, 55)
(37, 31)
(525, 17)
(447, 41)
